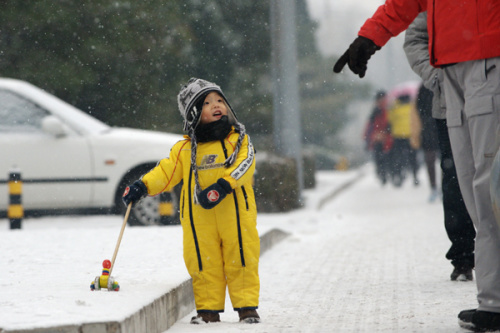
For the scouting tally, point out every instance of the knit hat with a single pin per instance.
(190, 100)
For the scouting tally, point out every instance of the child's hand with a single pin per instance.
(215, 193)
(134, 193)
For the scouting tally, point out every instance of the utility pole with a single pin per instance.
(286, 102)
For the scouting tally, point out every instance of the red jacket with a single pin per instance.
(459, 30)
(377, 130)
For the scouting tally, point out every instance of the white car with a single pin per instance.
(71, 162)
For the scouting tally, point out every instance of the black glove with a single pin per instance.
(357, 56)
(134, 193)
(212, 195)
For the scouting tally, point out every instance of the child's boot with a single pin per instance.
(205, 317)
(249, 316)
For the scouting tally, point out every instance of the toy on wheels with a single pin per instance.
(105, 281)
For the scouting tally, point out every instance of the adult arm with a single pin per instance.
(388, 21)
(416, 47)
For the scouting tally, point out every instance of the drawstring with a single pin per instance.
(239, 127)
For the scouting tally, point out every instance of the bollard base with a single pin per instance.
(15, 224)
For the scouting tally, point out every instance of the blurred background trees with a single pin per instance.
(124, 61)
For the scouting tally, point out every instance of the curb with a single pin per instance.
(157, 316)
(332, 195)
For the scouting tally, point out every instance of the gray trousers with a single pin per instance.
(472, 91)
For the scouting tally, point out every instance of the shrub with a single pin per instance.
(276, 184)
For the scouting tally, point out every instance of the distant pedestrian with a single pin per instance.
(404, 149)
(428, 137)
(377, 136)
(218, 214)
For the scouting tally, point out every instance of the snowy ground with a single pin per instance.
(369, 260)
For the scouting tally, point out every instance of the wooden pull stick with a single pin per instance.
(120, 237)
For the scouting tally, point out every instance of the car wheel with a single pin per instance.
(147, 212)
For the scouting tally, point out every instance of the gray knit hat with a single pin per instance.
(189, 99)
(191, 95)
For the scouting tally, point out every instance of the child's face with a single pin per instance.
(213, 108)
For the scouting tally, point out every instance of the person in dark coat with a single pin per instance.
(428, 137)
(457, 221)
(377, 136)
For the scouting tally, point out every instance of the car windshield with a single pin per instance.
(18, 114)
(22, 104)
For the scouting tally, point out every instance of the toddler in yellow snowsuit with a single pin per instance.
(216, 162)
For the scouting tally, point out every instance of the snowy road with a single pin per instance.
(372, 260)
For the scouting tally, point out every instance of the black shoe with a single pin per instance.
(249, 316)
(205, 317)
(479, 321)
(461, 274)
(465, 318)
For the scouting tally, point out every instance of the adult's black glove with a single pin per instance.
(357, 56)
(134, 193)
(212, 195)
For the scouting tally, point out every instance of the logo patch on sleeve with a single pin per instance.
(213, 196)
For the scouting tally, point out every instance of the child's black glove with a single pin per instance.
(134, 193)
(215, 193)
(357, 56)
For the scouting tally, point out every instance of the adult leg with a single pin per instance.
(386, 167)
(430, 164)
(413, 164)
(457, 221)
(472, 91)
(397, 161)
(378, 153)
(407, 158)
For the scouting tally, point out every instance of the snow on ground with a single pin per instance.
(369, 260)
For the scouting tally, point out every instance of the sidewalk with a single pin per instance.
(47, 268)
(371, 260)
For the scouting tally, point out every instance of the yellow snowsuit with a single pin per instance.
(221, 245)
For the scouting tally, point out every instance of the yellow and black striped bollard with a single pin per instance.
(15, 212)
(166, 208)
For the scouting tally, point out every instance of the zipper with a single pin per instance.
(240, 238)
(197, 246)
(182, 207)
(238, 223)
(245, 195)
(224, 148)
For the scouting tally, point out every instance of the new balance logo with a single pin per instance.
(208, 162)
